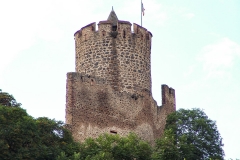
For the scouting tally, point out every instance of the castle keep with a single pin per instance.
(110, 92)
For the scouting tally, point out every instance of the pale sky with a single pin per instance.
(195, 50)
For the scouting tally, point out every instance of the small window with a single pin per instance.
(124, 34)
(103, 33)
(114, 28)
(113, 131)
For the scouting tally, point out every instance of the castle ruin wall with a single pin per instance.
(94, 107)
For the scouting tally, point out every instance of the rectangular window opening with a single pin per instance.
(113, 131)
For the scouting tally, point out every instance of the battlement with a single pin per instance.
(106, 29)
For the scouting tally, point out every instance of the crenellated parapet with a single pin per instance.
(142, 33)
(105, 30)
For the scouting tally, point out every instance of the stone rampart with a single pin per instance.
(94, 107)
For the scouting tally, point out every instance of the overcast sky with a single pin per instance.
(195, 50)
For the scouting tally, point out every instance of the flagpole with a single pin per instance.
(141, 12)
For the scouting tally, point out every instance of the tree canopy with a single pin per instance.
(23, 137)
(112, 147)
(8, 100)
(189, 134)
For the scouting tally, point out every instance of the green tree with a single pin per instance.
(63, 156)
(23, 137)
(8, 100)
(192, 135)
(166, 147)
(112, 147)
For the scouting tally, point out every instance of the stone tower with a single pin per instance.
(110, 92)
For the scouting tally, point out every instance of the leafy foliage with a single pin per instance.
(112, 147)
(8, 100)
(23, 137)
(166, 148)
(189, 134)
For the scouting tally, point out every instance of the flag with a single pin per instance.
(143, 9)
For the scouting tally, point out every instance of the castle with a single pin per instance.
(110, 92)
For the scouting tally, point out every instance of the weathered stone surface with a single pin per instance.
(94, 107)
(111, 88)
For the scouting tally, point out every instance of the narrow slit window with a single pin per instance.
(124, 34)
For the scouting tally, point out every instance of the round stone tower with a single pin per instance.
(116, 54)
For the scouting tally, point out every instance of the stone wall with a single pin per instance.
(94, 107)
(118, 55)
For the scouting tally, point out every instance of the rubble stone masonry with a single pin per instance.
(110, 92)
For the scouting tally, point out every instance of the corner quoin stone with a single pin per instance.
(110, 92)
